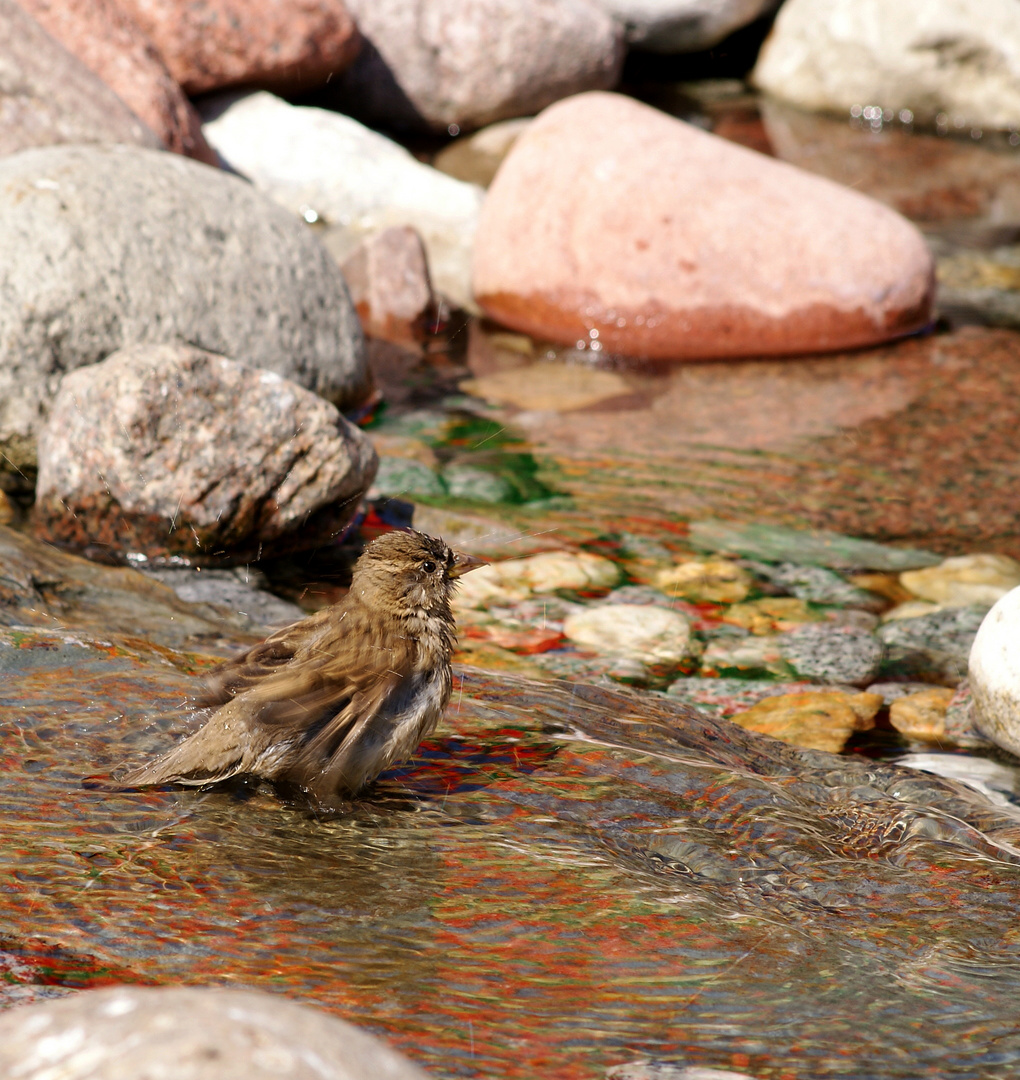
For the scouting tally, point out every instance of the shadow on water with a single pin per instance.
(567, 877)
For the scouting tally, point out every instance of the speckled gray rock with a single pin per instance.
(107, 246)
(166, 450)
(826, 653)
(933, 647)
(433, 63)
(666, 1070)
(818, 585)
(674, 26)
(48, 96)
(190, 1033)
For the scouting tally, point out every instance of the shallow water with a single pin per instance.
(570, 877)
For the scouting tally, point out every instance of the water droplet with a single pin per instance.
(906, 116)
(453, 129)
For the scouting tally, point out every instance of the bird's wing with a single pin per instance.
(295, 716)
(235, 676)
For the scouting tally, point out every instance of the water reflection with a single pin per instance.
(567, 878)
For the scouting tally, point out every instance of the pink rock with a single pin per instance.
(283, 44)
(616, 225)
(388, 279)
(49, 96)
(113, 47)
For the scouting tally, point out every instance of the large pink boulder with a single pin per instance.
(111, 45)
(283, 44)
(616, 225)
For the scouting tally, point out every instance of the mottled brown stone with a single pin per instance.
(209, 44)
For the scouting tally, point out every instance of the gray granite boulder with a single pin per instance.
(190, 1033)
(47, 95)
(835, 654)
(467, 63)
(107, 246)
(166, 450)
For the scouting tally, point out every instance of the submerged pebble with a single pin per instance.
(651, 635)
(714, 581)
(964, 580)
(814, 721)
(823, 652)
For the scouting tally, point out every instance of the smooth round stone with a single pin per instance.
(964, 580)
(960, 57)
(189, 1033)
(842, 654)
(459, 64)
(652, 635)
(613, 226)
(994, 673)
(549, 571)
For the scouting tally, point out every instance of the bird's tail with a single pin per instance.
(216, 752)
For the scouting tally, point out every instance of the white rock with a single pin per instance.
(652, 635)
(670, 26)
(330, 168)
(994, 673)
(960, 57)
(549, 571)
(965, 579)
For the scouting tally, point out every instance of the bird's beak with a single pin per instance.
(464, 564)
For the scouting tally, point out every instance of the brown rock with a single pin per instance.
(48, 96)
(168, 450)
(210, 44)
(113, 47)
(191, 1033)
(814, 721)
(388, 279)
(6, 509)
(922, 715)
(614, 225)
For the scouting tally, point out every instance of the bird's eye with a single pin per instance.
(428, 566)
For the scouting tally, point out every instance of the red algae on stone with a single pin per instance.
(612, 223)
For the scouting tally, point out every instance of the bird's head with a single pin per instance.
(410, 572)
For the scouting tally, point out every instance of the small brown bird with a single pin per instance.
(331, 701)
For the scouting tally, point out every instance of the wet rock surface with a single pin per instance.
(992, 674)
(629, 251)
(49, 96)
(823, 859)
(163, 451)
(108, 247)
(202, 1033)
